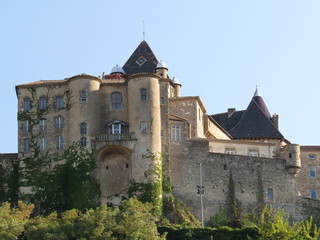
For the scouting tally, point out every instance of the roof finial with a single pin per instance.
(144, 34)
(257, 94)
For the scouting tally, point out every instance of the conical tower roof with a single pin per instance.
(142, 60)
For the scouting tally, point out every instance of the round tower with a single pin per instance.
(83, 123)
(162, 70)
(293, 161)
(144, 120)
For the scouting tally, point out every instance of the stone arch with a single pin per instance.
(114, 164)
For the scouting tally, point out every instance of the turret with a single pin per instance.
(293, 161)
(176, 87)
(162, 70)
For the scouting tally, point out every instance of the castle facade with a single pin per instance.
(138, 109)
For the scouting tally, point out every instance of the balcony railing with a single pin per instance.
(114, 137)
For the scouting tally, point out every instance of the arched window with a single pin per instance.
(59, 121)
(143, 94)
(83, 128)
(43, 103)
(116, 100)
(59, 102)
(83, 141)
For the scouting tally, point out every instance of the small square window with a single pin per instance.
(270, 194)
(231, 151)
(313, 194)
(312, 171)
(312, 156)
(144, 127)
(253, 153)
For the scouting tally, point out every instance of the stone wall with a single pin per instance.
(249, 177)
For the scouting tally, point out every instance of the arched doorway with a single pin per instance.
(114, 171)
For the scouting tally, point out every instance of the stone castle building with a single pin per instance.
(138, 108)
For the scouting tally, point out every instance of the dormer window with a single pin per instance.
(116, 129)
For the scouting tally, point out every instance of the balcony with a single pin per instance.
(114, 137)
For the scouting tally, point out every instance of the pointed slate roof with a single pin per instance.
(142, 60)
(253, 123)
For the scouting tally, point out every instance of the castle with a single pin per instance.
(138, 108)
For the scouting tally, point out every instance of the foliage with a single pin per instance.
(275, 225)
(132, 221)
(219, 220)
(223, 233)
(152, 190)
(68, 184)
(12, 221)
(177, 212)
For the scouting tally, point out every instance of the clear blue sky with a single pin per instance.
(219, 50)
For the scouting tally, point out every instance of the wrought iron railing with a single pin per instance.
(114, 137)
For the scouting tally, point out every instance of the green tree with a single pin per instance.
(13, 220)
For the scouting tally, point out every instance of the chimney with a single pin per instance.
(231, 111)
(275, 120)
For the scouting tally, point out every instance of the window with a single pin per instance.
(26, 104)
(43, 125)
(144, 127)
(143, 94)
(116, 128)
(270, 193)
(59, 142)
(175, 133)
(42, 143)
(230, 151)
(312, 156)
(253, 153)
(59, 102)
(26, 126)
(83, 141)
(83, 96)
(116, 100)
(83, 128)
(26, 145)
(161, 100)
(59, 121)
(43, 103)
(313, 194)
(312, 171)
